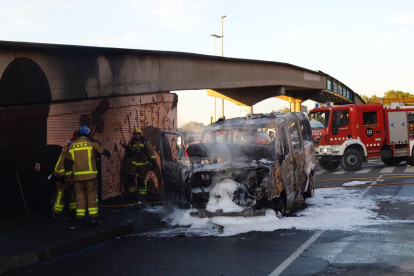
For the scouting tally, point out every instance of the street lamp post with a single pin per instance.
(215, 53)
(222, 35)
(222, 54)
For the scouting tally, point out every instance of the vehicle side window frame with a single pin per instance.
(170, 149)
(284, 141)
(294, 135)
(370, 118)
(341, 118)
(306, 130)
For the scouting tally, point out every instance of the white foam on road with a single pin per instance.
(154, 209)
(394, 199)
(330, 209)
(355, 183)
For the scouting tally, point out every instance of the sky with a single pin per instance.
(365, 44)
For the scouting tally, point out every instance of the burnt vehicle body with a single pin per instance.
(270, 173)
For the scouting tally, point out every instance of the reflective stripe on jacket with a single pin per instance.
(82, 153)
(60, 165)
(143, 159)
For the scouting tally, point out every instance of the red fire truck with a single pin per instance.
(351, 134)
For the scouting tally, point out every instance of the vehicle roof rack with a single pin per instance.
(261, 115)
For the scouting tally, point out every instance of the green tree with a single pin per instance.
(397, 94)
(365, 98)
(389, 97)
(374, 99)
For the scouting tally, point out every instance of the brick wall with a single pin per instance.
(34, 134)
(111, 121)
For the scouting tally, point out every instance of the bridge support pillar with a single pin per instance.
(294, 102)
(295, 105)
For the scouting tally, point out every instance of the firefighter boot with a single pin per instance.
(131, 183)
(132, 189)
(142, 188)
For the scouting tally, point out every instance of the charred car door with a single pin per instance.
(175, 165)
(298, 160)
(285, 159)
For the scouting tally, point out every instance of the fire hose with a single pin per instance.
(132, 204)
(135, 204)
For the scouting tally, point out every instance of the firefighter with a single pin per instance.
(82, 154)
(143, 159)
(64, 185)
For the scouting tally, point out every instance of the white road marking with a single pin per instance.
(321, 172)
(387, 169)
(409, 169)
(369, 187)
(340, 172)
(296, 254)
(304, 246)
(365, 170)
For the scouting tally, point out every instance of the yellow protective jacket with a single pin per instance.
(60, 165)
(139, 153)
(82, 153)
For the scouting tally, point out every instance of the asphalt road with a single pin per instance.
(386, 250)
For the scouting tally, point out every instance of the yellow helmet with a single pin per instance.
(136, 130)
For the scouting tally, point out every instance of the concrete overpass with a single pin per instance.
(79, 72)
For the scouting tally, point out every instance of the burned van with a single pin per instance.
(260, 161)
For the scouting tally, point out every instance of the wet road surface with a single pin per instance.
(378, 250)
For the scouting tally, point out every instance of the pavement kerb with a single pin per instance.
(24, 259)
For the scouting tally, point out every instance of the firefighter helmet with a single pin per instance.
(84, 131)
(136, 130)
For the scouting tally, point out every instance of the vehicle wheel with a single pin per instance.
(311, 188)
(351, 160)
(279, 205)
(328, 165)
(393, 161)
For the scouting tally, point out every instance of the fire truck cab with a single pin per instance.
(351, 134)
